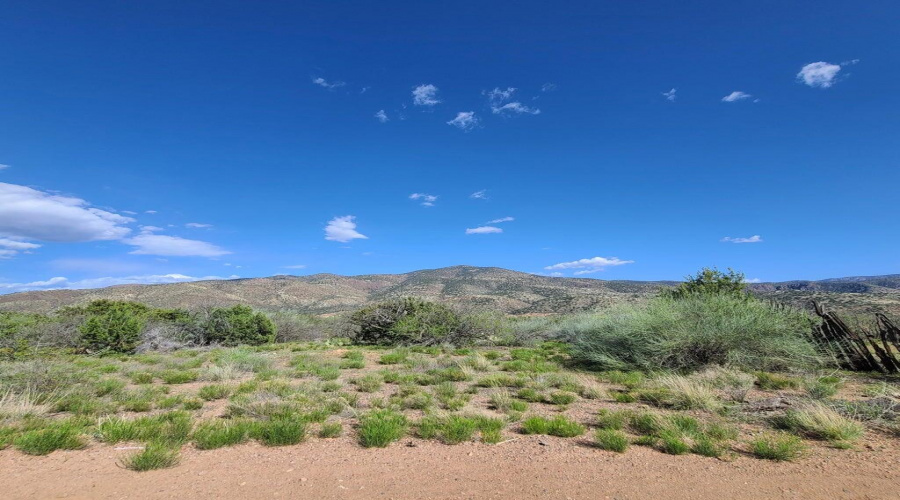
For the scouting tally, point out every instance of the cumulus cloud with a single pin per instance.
(735, 96)
(484, 230)
(427, 200)
(479, 195)
(343, 229)
(465, 121)
(172, 246)
(425, 95)
(29, 214)
(328, 85)
(501, 219)
(588, 266)
(670, 95)
(64, 283)
(499, 100)
(382, 116)
(197, 225)
(753, 239)
(819, 74)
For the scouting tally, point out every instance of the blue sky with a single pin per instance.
(166, 141)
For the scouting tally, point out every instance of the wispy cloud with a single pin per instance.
(465, 121)
(3, 167)
(819, 74)
(515, 108)
(501, 219)
(479, 195)
(753, 280)
(150, 212)
(425, 95)
(548, 87)
(484, 230)
(382, 116)
(10, 247)
(670, 95)
(735, 96)
(326, 84)
(500, 102)
(296, 266)
(343, 229)
(753, 239)
(172, 246)
(197, 225)
(427, 200)
(589, 266)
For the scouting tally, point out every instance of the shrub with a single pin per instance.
(777, 446)
(411, 321)
(612, 440)
(691, 333)
(238, 325)
(379, 428)
(116, 330)
(710, 281)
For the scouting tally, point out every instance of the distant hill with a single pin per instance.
(480, 287)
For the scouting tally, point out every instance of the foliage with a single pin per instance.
(691, 333)
(411, 321)
(238, 325)
(117, 329)
(379, 428)
(777, 446)
(710, 281)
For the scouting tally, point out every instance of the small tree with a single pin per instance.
(117, 330)
(710, 281)
(237, 325)
(409, 321)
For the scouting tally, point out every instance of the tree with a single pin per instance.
(237, 325)
(118, 329)
(711, 281)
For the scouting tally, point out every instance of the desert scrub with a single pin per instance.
(558, 426)
(818, 421)
(777, 446)
(214, 391)
(683, 393)
(379, 428)
(221, 433)
(280, 431)
(155, 455)
(64, 435)
(611, 440)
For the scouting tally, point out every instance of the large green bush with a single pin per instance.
(691, 332)
(118, 329)
(710, 281)
(238, 325)
(411, 321)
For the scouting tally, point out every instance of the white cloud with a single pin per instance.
(484, 230)
(296, 266)
(27, 213)
(753, 239)
(172, 246)
(343, 229)
(3, 167)
(382, 116)
(151, 212)
(197, 225)
(548, 87)
(498, 95)
(425, 95)
(479, 195)
(64, 283)
(515, 107)
(14, 244)
(753, 280)
(819, 74)
(737, 95)
(325, 84)
(427, 199)
(465, 121)
(670, 95)
(588, 266)
(501, 219)
(151, 229)
(498, 99)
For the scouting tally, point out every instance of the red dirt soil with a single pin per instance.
(525, 467)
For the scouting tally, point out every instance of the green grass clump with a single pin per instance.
(379, 428)
(369, 383)
(64, 435)
(192, 404)
(777, 446)
(281, 431)
(624, 397)
(141, 378)
(561, 398)
(645, 423)
(530, 395)
(178, 376)
(775, 381)
(214, 391)
(155, 455)
(630, 380)
(707, 447)
(611, 440)
(221, 433)
(612, 420)
(330, 430)
(558, 426)
(672, 443)
(394, 358)
(172, 427)
(82, 404)
(458, 429)
(108, 386)
(821, 422)
(823, 387)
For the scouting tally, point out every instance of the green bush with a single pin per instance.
(411, 321)
(690, 333)
(710, 281)
(116, 330)
(238, 325)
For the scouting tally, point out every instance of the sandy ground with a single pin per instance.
(526, 467)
